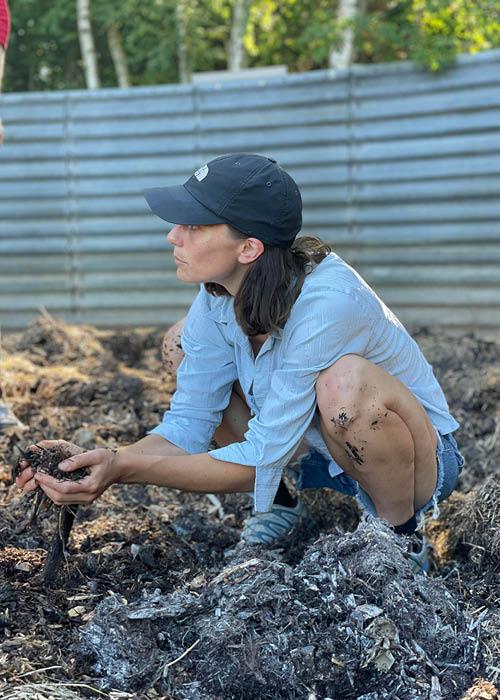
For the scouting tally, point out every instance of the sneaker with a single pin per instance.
(267, 528)
(419, 556)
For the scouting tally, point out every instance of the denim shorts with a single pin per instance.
(314, 474)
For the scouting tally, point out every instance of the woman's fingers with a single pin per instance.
(30, 448)
(25, 480)
(63, 492)
(69, 464)
(86, 459)
(49, 443)
(66, 492)
(24, 477)
(65, 487)
(30, 485)
(62, 499)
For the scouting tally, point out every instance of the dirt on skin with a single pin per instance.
(336, 612)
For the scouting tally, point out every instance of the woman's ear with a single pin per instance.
(251, 250)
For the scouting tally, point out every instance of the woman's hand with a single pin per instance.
(25, 480)
(103, 472)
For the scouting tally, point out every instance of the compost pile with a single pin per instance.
(157, 600)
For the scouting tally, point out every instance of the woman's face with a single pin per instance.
(207, 254)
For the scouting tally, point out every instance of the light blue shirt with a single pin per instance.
(336, 313)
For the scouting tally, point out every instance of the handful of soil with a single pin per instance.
(47, 460)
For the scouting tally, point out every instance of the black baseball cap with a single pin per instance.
(250, 192)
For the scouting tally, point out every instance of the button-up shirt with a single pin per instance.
(336, 313)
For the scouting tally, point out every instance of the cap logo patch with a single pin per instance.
(201, 173)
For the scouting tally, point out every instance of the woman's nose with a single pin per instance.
(173, 236)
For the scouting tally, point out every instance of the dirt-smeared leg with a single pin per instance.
(379, 433)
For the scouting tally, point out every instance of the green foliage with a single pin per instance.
(430, 32)
(296, 33)
(149, 35)
(445, 28)
(44, 51)
(210, 28)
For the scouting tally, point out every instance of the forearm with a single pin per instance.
(154, 445)
(200, 472)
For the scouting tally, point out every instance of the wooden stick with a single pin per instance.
(57, 549)
(184, 653)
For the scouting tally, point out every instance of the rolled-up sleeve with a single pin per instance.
(318, 332)
(204, 382)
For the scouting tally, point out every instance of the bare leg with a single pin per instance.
(380, 434)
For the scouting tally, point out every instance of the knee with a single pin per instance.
(171, 351)
(344, 389)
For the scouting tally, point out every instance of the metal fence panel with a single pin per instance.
(399, 170)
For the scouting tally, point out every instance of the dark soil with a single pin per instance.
(46, 459)
(157, 600)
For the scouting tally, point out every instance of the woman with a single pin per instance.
(288, 355)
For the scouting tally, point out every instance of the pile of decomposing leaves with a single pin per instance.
(156, 600)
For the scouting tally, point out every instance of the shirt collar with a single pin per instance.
(222, 309)
(222, 312)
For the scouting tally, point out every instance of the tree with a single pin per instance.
(236, 53)
(44, 48)
(87, 45)
(118, 55)
(342, 54)
(182, 47)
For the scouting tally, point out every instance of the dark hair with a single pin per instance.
(272, 283)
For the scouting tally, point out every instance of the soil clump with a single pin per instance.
(47, 459)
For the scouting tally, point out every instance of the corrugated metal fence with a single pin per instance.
(398, 168)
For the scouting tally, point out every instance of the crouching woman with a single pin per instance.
(288, 357)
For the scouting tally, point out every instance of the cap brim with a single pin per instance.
(178, 206)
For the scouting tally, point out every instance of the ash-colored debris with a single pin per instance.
(123, 653)
(207, 539)
(469, 532)
(351, 620)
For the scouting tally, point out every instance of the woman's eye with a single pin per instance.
(193, 228)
